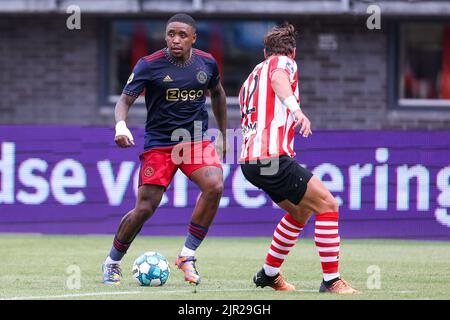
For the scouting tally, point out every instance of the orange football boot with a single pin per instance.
(339, 287)
(187, 265)
(276, 282)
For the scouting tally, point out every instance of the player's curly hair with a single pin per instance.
(280, 40)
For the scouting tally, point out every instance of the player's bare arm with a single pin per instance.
(123, 138)
(282, 88)
(219, 107)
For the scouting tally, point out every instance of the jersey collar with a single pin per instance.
(176, 63)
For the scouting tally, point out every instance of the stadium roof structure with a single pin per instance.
(248, 7)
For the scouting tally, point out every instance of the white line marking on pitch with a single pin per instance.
(74, 295)
(94, 294)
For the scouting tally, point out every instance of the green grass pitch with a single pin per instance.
(39, 267)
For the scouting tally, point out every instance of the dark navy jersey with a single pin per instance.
(174, 95)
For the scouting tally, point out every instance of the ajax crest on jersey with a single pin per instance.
(202, 77)
(151, 269)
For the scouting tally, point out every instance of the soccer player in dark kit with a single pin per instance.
(175, 80)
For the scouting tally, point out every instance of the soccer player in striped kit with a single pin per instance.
(270, 111)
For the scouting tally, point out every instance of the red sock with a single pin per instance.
(327, 242)
(284, 238)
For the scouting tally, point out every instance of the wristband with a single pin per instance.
(291, 103)
(121, 126)
(122, 129)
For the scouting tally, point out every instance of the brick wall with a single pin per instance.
(51, 75)
(347, 86)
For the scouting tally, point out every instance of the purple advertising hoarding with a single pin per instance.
(74, 180)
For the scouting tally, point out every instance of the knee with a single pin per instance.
(144, 210)
(214, 190)
(331, 204)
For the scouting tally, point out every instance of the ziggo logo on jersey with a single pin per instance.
(175, 94)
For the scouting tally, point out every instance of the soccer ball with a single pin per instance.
(151, 269)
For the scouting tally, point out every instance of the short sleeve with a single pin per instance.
(215, 78)
(288, 65)
(137, 80)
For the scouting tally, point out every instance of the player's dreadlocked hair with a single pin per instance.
(280, 40)
(183, 18)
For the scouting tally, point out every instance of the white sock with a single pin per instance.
(111, 261)
(330, 276)
(186, 252)
(271, 271)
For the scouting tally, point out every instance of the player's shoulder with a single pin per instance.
(285, 60)
(287, 63)
(258, 66)
(155, 56)
(204, 55)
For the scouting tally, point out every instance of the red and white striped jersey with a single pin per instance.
(267, 124)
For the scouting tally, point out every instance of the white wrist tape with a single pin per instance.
(291, 103)
(122, 130)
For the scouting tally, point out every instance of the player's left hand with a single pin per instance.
(303, 122)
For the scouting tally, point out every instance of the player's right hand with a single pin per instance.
(123, 138)
(303, 122)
